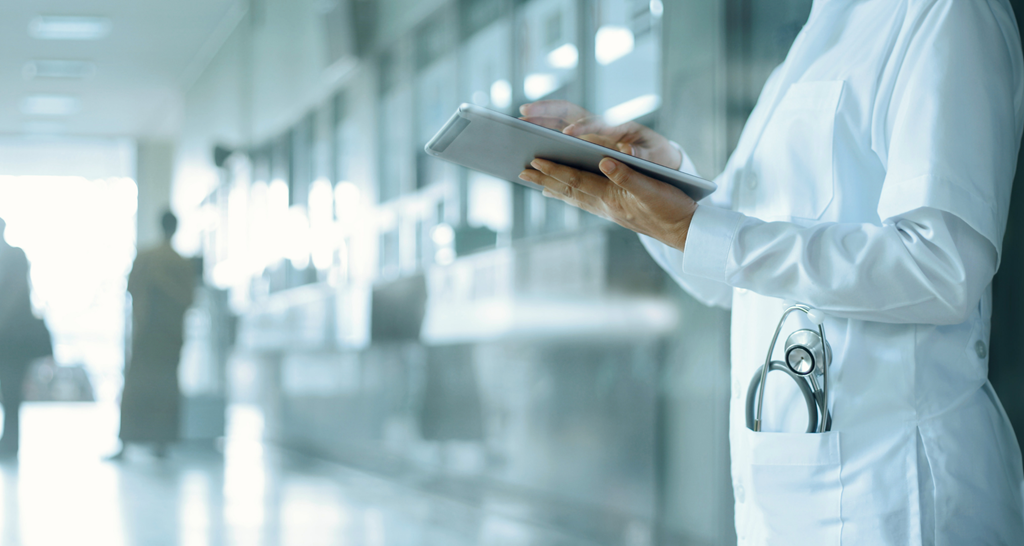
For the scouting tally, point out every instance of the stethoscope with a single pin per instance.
(808, 357)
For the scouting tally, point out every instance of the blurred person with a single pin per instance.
(162, 285)
(23, 338)
(871, 183)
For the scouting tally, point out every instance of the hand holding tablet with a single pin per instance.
(502, 146)
(640, 195)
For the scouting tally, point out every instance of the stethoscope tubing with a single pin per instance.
(825, 422)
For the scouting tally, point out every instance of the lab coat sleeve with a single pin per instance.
(949, 131)
(707, 291)
(925, 266)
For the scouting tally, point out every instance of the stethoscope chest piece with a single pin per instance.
(806, 352)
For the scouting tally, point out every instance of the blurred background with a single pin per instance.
(382, 348)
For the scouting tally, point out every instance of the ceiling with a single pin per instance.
(154, 50)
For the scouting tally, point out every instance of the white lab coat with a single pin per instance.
(872, 181)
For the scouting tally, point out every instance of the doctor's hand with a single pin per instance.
(629, 138)
(624, 196)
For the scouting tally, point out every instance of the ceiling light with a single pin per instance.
(59, 69)
(50, 105)
(49, 27)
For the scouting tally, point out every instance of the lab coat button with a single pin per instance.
(751, 180)
(980, 349)
(740, 494)
(737, 389)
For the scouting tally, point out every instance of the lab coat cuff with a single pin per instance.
(686, 166)
(709, 241)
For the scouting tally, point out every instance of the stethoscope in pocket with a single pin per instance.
(808, 357)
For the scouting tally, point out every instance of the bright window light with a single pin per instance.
(79, 237)
(321, 221)
(69, 28)
(536, 86)
(443, 235)
(501, 94)
(346, 200)
(277, 220)
(321, 202)
(566, 56)
(259, 231)
(612, 43)
(632, 109)
(490, 203)
(50, 105)
(297, 235)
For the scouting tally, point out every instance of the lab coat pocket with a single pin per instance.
(794, 156)
(795, 487)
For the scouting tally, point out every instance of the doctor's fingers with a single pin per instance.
(596, 125)
(559, 109)
(557, 124)
(608, 142)
(563, 177)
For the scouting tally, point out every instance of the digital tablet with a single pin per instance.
(503, 146)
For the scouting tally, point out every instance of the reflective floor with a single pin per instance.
(62, 492)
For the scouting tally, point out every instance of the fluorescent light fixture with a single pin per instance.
(566, 56)
(612, 43)
(501, 94)
(536, 86)
(50, 105)
(58, 69)
(64, 27)
(632, 109)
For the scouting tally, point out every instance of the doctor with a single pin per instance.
(871, 182)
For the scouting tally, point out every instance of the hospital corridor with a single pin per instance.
(511, 272)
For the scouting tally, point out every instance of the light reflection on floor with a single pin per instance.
(62, 492)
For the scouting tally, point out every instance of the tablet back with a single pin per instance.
(503, 146)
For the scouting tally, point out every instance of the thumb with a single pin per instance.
(626, 178)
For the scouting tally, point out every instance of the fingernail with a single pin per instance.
(535, 164)
(546, 193)
(568, 129)
(608, 166)
(522, 109)
(522, 176)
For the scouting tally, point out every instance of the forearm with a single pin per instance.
(923, 267)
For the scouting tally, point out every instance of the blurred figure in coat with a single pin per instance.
(161, 285)
(23, 338)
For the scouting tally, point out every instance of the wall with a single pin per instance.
(155, 168)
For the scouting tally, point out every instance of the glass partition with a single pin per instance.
(627, 46)
(548, 49)
(395, 173)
